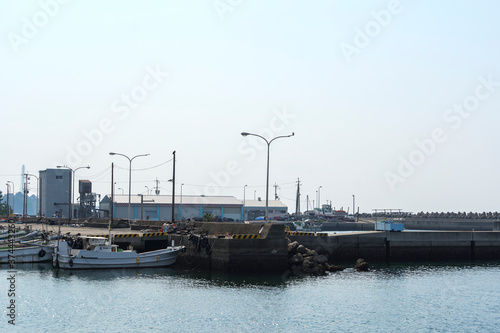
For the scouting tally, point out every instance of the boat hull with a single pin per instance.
(127, 259)
(27, 254)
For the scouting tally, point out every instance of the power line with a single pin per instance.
(100, 173)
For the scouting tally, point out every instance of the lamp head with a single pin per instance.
(244, 133)
(112, 153)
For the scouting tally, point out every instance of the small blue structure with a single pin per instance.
(389, 226)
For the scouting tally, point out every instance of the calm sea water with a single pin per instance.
(457, 297)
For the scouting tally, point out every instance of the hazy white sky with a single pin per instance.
(396, 102)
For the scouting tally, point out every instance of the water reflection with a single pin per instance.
(201, 279)
(178, 275)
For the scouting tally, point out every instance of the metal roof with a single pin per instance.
(262, 203)
(186, 199)
(194, 200)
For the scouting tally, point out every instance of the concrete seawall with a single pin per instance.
(347, 226)
(227, 254)
(420, 224)
(449, 224)
(385, 245)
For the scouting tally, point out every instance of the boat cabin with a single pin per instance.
(98, 244)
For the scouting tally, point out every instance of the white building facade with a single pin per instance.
(159, 207)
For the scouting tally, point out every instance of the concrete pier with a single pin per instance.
(419, 224)
(407, 245)
(235, 247)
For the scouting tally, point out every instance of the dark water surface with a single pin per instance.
(460, 297)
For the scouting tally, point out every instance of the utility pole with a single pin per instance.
(40, 194)
(111, 211)
(157, 191)
(142, 205)
(353, 204)
(276, 187)
(297, 199)
(173, 190)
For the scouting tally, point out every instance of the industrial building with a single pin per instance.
(257, 208)
(55, 192)
(87, 198)
(56, 195)
(159, 207)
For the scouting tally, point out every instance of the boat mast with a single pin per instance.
(110, 241)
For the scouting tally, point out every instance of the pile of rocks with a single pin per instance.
(302, 260)
(361, 265)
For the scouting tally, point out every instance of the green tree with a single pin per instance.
(207, 217)
(4, 210)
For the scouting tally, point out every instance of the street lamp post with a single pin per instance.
(267, 178)
(244, 194)
(13, 196)
(72, 186)
(319, 199)
(353, 205)
(244, 200)
(122, 190)
(129, 177)
(316, 212)
(8, 206)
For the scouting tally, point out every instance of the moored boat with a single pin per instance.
(26, 253)
(98, 253)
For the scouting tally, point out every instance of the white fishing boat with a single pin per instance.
(99, 253)
(5, 234)
(26, 253)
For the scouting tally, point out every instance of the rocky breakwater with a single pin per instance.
(361, 265)
(302, 260)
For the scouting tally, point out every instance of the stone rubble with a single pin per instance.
(302, 260)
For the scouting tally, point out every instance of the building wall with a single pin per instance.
(164, 211)
(251, 213)
(55, 191)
